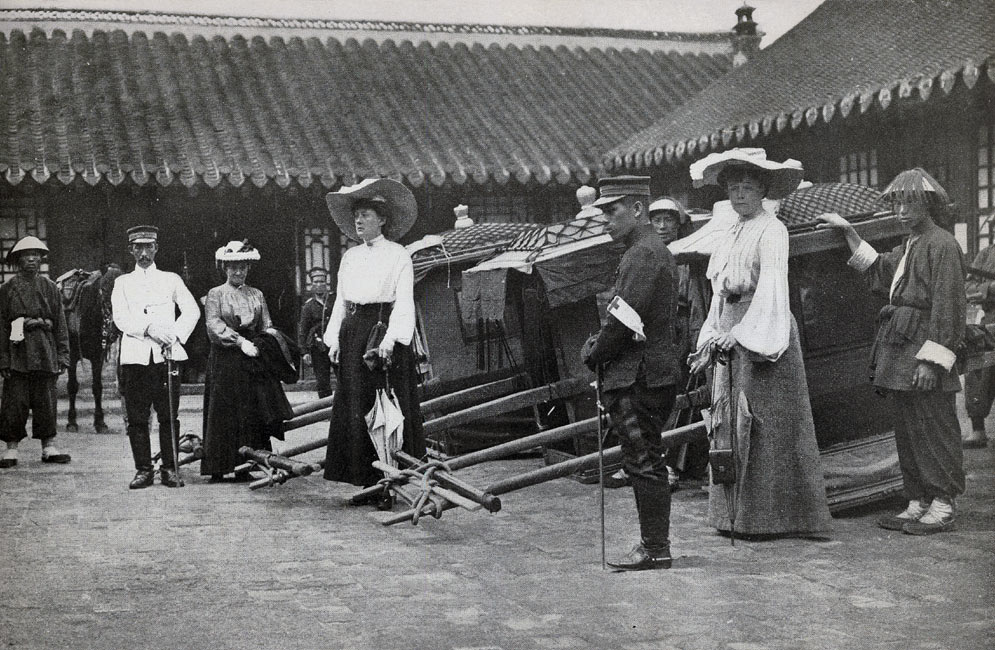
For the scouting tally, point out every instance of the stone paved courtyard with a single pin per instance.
(86, 563)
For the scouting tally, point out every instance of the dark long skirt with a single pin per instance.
(241, 408)
(780, 487)
(350, 451)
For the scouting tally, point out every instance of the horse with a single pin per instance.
(86, 299)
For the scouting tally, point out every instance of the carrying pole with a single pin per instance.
(172, 373)
(601, 464)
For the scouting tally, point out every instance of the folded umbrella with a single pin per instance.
(385, 424)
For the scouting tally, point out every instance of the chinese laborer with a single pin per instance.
(34, 351)
(914, 351)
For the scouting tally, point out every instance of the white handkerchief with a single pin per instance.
(627, 316)
(17, 329)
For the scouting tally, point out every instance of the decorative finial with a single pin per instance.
(463, 219)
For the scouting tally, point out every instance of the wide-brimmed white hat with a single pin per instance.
(237, 251)
(397, 197)
(782, 178)
(29, 243)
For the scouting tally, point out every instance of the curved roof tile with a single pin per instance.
(162, 108)
(843, 54)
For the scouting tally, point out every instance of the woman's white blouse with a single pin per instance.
(752, 258)
(379, 271)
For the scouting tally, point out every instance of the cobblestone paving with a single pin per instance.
(86, 563)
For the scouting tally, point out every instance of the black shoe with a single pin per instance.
(170, 478)
(143, 479)
(639, 559)
(385, 502)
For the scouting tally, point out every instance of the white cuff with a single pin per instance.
(863, 257)
(936, 353)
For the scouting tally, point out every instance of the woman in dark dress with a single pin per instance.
(244, 403)
(375, 284)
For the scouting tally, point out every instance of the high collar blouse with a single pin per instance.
(376, 272)
(750, 262)
(229, 308)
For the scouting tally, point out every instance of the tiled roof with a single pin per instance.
(161, 108)
(846, 55)
(473, 243)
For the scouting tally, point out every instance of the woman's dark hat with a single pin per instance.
(397, 197)
(782, 178)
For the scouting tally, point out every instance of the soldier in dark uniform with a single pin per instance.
(639, 368)
(314, 320)
(34, 351)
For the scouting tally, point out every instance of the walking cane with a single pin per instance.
(174, 435)
(735, 452)
(601, 464)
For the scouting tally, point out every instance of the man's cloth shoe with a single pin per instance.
(143, 479)
(938, 519)
(385, 502)
(977, 440)
(51, 454)
(639, 559)
(170, 478)
(9, 459)
(913, 512)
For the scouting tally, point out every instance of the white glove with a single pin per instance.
(161, 335)
(248, 348)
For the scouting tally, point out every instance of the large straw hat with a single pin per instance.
(29, 243)
(399, 200)
(782, 178)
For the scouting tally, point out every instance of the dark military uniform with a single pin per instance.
(314, 319)
(639, 378)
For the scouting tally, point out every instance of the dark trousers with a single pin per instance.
(638, 414)
(144, 388)
(927, 434)
(23, 393)
(322, 370)
(979, 391)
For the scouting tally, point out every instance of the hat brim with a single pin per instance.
(401, 202)
(143, 240)
(607, 200)
(783, 178)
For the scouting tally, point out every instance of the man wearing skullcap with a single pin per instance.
(913, 356)
(144, 303)
(314, 319)
(34, 350)
(637, 356)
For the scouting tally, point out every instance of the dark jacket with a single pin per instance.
(646, 279)
(44, 349)
(314, 321)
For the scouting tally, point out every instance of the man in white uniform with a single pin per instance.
(144, 304)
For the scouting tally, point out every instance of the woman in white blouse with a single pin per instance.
(375, 284)
(779, 487)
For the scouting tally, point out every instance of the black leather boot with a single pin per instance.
(653, 507)
(143, 479)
